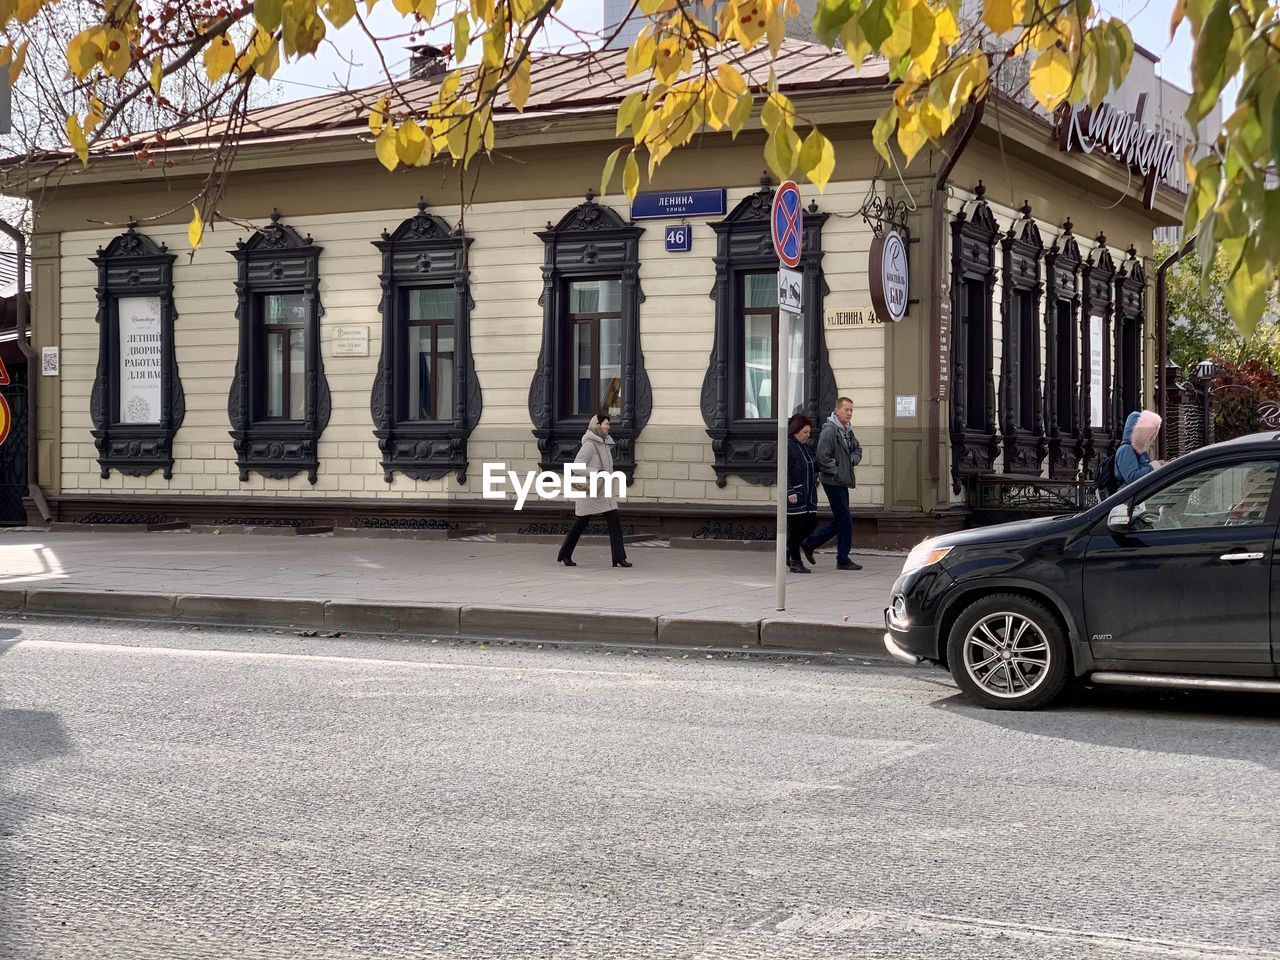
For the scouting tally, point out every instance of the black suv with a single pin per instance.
(1169, 582)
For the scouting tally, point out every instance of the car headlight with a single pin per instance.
(924, 555)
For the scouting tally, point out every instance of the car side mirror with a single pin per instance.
(1119, 520)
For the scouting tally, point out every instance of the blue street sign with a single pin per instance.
(679, 239)
(678, 203)
(787, 223)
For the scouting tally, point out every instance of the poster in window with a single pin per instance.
(1095, 372)
(140, 359)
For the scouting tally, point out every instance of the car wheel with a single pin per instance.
(1008, 652)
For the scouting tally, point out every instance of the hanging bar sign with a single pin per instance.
(890, 276)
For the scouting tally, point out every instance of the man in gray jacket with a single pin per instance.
(838, 453)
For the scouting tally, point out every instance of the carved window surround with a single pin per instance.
(1098, 283)
(590, 242)
(277, 260)
(1131, 293)
(1024, 444)
(423, 253)
(137, 441)
(744, 244)
(974, 446)
(1062, 270)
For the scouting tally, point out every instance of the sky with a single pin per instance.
(347, 58)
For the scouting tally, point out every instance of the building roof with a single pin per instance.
(563, 85)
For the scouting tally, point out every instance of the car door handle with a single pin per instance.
(1242, 556)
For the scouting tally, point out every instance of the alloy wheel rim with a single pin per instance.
(1007, 655)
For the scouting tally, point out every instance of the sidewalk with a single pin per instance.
(470, 587)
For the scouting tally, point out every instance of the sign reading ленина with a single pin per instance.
(678, 203)
(1124, 136)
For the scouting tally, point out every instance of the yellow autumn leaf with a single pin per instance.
(630, 108)
(911, 134)
(385, 148)
(75, 136)
(115, 53)
(378, 116)
(631, 176)
(410, 142)
(781, 151)
(340, 11)
(740, 113)
(1003, 15)
(856, 46)
(404, 7)
(157, 74)
(1050, 79)
(426, 10)
(95, 114)
(730, 80)
(195, 229)
(219, 57)
(520, 85)
(817, 159)
(883, 129)
(607, 175)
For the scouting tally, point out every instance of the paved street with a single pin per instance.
(187, 793)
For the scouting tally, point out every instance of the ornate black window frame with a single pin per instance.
(973, 239)
(744, 244)
(423, 252)
(1098, 304)
(134, 265)
(276, 259)
(1131, 288)
(1024, 446)
(1062, 271)
(590, 242)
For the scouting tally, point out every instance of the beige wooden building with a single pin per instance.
(360, 357)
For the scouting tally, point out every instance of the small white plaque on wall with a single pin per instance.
(49, 362)
(351, 341)
(860, 317)
(904, 407)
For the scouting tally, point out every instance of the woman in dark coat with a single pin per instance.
(802, 490)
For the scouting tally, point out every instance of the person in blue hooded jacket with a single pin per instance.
(1133, 456)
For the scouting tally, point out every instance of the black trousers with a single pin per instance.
(799, 526)
(581, 523)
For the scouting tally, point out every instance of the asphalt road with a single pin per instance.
(175, 793)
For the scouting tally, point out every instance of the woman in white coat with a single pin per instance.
(597, 454)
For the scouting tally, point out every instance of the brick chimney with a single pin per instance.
(427, 60)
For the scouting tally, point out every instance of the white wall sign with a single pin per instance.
(890, 276)
(140, 359)
(49, 365)
(790, 290)
(904, 407)
(1095, 372)
(351, 341)
(859, 318)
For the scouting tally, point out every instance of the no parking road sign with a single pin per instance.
(787, 221)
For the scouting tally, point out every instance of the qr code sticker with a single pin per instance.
(49, 361)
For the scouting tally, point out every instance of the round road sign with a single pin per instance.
(787, 222)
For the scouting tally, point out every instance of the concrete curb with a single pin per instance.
(445, 620)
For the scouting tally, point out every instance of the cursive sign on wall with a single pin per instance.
(1107, 128)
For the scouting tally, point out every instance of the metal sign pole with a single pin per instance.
(786, 225)
(780, 412)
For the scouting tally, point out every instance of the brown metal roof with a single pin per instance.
(579, 83)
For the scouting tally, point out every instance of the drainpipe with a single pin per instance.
(33, 372)
(1162, 334)
(939, 227)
